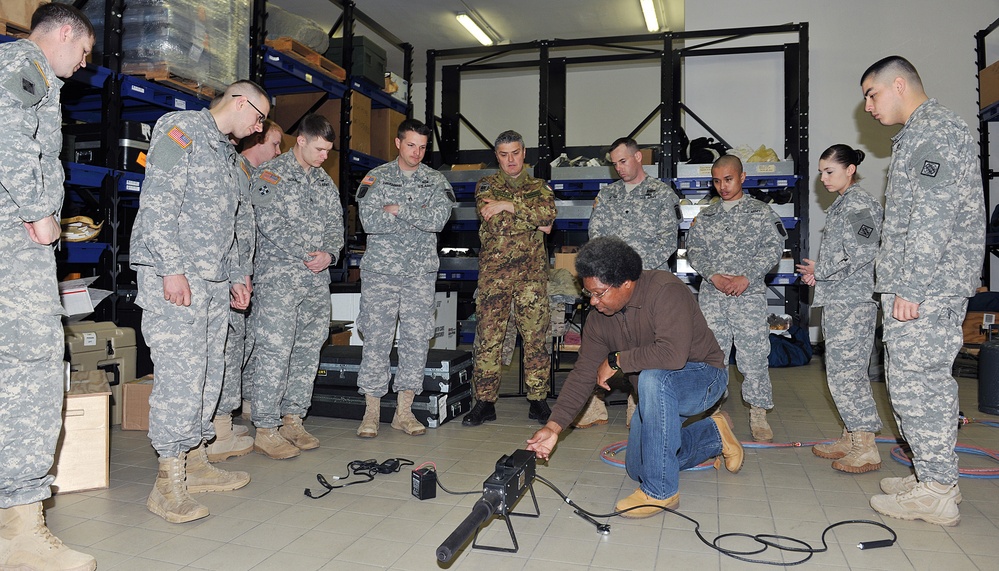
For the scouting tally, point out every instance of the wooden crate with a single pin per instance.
(384, 126)
(19, 12)
(306, 55)
(82, 459)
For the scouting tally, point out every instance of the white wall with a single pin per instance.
(741, 96)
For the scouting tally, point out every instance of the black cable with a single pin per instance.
(441, 486)
(767, 540)
(366, 468)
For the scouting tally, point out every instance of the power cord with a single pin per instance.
(766, 540)
(365, 468)
(432, 466)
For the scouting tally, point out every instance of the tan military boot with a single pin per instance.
(898, 485)
(595, 413)
(270, 443)
(404, 419)
(169, 498)
(294, 432)
(650, 505)
(759, 425)
(27, 543)
(931, 502)
(372, 415)
(834, 450)
(632, 406)
(862, 457)
(227, 444)
(203, 477)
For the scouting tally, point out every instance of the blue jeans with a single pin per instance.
(658, 445)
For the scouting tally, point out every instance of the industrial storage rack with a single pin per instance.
(988, 116)
(670, 49)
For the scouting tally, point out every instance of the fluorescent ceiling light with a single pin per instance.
(649, 10)
(474, 29)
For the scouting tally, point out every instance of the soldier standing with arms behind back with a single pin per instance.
(645, 213)
(31, 371)
(930, 262)
(732, 244)
(402, 205)
(299, 234)
(516, 211)
(184, 252)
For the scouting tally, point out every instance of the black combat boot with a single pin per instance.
(539, 411)
(481, 412)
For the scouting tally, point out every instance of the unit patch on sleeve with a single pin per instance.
(270, 176)
(179, 137)
(863, 225)
(930, 168)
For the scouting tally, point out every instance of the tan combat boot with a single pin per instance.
(169, 498)
(898, 485)
(372, 415)
(834, 450)
(931, 502)
(203, 477)
(294, 432)
(759, 425)
(227, 443)
(26, 543)
(270, 443)
(404, 419)
(632, 405)
(862, 457)
(595, 413)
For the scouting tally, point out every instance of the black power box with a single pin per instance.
(425, 483)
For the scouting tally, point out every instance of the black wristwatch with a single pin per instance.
(612, 360)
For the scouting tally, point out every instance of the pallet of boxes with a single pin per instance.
(447, 392)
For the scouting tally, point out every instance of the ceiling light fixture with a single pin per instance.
(649, 11)
(473, 28)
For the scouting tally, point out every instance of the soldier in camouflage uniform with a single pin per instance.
(732, 244)
(645, 213)
(31, 372)
(843, 276)
(516, 210)
(402, 205)
(932, 244)
(188, 265)
(299, 234)
(232, 440)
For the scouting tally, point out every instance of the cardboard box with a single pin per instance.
(566, 262)
(445, 321)
(288, 109)
(82, 458)
(988, 85)
(973, 327)
(646, 156)
(396, 86)
(19, 11)
(469, 167)
(384, 127)
(135, 404)
(341, 338)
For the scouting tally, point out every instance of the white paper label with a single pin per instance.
(90, 339)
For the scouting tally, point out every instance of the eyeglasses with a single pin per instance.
(260, 114)
(590, 295)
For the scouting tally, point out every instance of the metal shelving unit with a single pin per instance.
(988, 116)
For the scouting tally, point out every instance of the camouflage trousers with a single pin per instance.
(531, 309)
(848, 330)
(31, 393)
(385, 300)
(238, 346)
(742, 320)
(187, 345)
(919, 355)
(290, 324)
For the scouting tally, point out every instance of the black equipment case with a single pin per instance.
(445, 370)
(430, 408)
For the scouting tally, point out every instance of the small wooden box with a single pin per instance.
(82, 458)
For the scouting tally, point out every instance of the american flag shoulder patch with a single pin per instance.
(270, 176)
(179, 137)
(368, 180)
